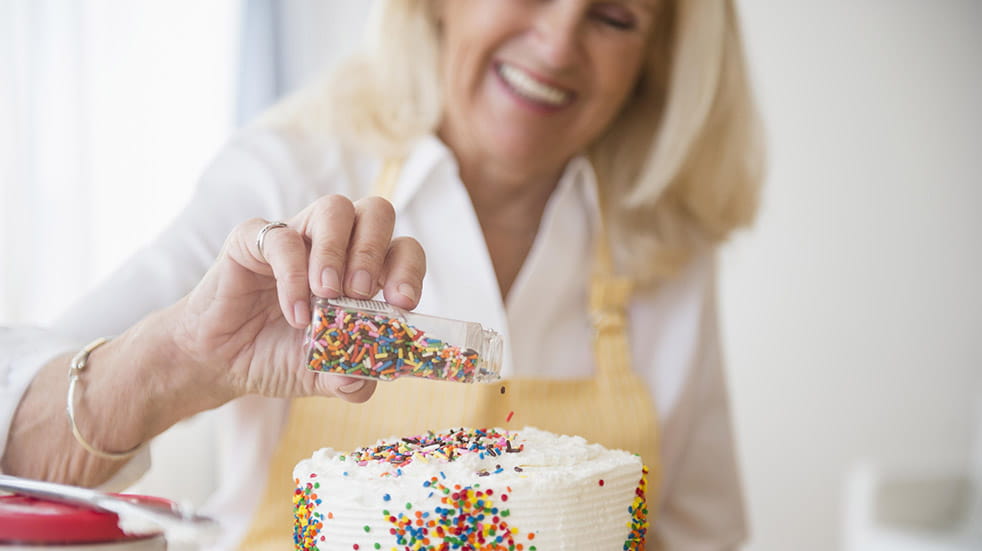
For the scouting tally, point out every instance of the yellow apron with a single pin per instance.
(613, 408)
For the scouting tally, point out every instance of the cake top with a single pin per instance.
(439, 446)
(468, 453)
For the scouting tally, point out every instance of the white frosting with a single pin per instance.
(557, 495)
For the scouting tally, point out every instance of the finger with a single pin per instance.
(241, 247)
(374, 221)
(328, 223)
(349, 389)
(403, 271)
(285, 252)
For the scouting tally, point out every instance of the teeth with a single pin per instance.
(524, 84)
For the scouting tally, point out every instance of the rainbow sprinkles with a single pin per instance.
(375, 345)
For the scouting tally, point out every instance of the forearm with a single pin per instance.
(132, 389)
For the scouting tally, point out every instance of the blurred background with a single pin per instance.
(851, 312)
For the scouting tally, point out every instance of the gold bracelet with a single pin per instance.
(74, 371)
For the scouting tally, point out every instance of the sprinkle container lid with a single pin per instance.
(29, 520)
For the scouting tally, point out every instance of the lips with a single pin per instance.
(531, 88)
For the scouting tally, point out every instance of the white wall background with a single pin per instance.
(852, 312)
(109, 111)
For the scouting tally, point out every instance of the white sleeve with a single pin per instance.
(247, 179)
(701, 506)
(22, 352)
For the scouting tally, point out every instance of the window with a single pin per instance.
(111, 111)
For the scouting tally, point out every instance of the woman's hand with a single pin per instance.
(243, 324)
(239, 331)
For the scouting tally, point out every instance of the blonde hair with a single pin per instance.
(681, 165)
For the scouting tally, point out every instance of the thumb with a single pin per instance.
(349, 389)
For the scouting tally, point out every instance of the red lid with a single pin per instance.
(29, 520)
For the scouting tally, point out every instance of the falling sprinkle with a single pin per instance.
(510, 414)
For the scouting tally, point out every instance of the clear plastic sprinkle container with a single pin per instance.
(375, 340)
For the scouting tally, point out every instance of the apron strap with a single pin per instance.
(388, 176)
(608, 302)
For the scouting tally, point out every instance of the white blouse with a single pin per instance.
(544, 321)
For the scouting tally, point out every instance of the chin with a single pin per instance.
(525, 150)
(539, 156)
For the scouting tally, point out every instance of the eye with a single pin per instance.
(614, 15)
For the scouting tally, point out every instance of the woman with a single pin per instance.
(568, 167)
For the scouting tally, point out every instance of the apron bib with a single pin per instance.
(613, 408)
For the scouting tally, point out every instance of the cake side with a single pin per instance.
(471, 489)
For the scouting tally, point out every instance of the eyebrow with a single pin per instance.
(643, 4)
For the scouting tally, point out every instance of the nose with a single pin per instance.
(556, 33)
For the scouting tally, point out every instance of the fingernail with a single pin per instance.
(351, 387)
(407, 291)
(301, 314)
(361, 283)
(330, 280)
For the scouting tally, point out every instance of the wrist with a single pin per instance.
(180, 379)
(77, 368)
(148, 379)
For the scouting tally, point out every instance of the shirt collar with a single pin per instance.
(429, 154)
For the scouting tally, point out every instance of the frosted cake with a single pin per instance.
(467, 489)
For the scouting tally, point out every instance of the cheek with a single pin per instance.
(617, 80)
(465, 61)
(457, 76)
(466, 89)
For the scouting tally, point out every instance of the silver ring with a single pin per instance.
(262, 237)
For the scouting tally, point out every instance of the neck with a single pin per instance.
(509, 200)
(512, 196)
(516, 193)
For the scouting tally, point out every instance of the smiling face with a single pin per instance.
(532, 83)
